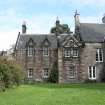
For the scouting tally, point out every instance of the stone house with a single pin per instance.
(80, 56)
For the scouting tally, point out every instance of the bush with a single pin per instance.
(10, 74)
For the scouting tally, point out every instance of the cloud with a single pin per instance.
(7, 38)
(13, 12)
(90, 19)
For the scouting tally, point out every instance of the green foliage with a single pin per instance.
(60, 29)
(10, 74)
(54, 73)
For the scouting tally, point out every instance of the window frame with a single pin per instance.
(44, 73)
(91, 71)
(73, 71)
(30, 51)
(45, 51)
(99, 55)
(30, 76)
(76, 52)
(69, 52)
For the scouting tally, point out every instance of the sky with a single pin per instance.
(40, 16)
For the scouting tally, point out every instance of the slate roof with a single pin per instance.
(37, 38)
(91, 32)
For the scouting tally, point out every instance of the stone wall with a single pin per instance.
(38, 62)
(88, 58)
(64, 67)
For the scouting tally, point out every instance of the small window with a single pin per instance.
(46, 73)
(30, 73)
(72, 72)
(30, 51)
(75, 53)
(71, 52)
(99, 55)
(92, 72)
(67, 53)
(45, 51)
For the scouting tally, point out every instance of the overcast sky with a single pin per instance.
(40, 16)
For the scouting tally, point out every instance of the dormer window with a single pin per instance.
(30, 46)
(30, 51)
(45, 51)
(67, 53)
(75, 53)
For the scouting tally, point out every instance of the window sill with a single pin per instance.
(45, 76)
(92, 78)
(99, 61)
(30, 77)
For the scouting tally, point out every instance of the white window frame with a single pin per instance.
(70, 52)
(76, 52)
(98, 51)
(30, 51)
(67, 53)
(30, 73)
(73, 72)
(45, 73)
(45, 51)
(92, 69)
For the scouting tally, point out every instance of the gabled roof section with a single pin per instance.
(70, 41)
(46, 42)
(91, 32)
(30, 42)
(37, 38)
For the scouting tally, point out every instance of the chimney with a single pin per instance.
(24, 28)
(77, 18)
(57, 22)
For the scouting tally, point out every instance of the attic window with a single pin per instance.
(30, 51)
(45, 51)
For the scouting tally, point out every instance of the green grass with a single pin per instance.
(55, 94)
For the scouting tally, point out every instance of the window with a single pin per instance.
(46, 73)
(67, 53)
(92, 72)
(45, 51)
(72, 72)
(75, 53)
(30, 73)
(71, 52)
(99, 55)
(30, 51)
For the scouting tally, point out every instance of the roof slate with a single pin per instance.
(91, 32)
(37, 38)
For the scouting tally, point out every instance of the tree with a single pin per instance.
(10, 74)
(61, 29)
(54, 73)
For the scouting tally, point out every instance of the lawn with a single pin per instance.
(54, 94)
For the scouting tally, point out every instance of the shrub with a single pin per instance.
(10, 74)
